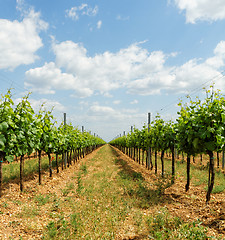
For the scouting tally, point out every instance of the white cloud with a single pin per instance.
(134, 102)
(102, 113)
(116, 102)
(107, 71)
(72, 13)
(202, 10)
(115, 120)
(122, 18)
(83, 9)
(20, 5)
(101, 110)
(49, 78)
(184, 78)
(19, 41)
(99, 24)
(132, 68)
(107, 94)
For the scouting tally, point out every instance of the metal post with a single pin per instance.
(64, 119)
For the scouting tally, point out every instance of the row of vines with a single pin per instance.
(22, 132)
(198, 129)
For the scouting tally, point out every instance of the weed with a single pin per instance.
(163, 226)
(51, 230)
(67, 189)
(137, 175)
(79, 184)
(218, 189)
(30, 211)
(14, 223)
(162, 184)
(55, 205)
(5, 205)
(57, 228)
(75, 223)
(20, 238)
(124, 175)
(199, 182)
(17, 202)
(83, 168)
(138, 218)
(42, 200)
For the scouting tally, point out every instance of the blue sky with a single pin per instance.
(108, 63)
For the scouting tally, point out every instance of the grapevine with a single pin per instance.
(199, 129)
(23, 132)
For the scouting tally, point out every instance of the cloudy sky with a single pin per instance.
(108, 63)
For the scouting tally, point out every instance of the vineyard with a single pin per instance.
(23, 132)
(160, 182)
(199, 130)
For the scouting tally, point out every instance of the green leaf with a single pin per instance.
(3, 126)
(2, 145)
(211, 146)
(2, 138)
(195, 142)
(9, 158)
(223, 117)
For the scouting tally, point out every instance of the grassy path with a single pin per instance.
(101, 197)
(103, 208)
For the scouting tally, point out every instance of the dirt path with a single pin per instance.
(22, 215)
(191, 205)
(106, 195)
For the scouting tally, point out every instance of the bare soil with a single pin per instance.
(190, 206)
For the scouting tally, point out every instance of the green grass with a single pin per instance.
(30, 211)
(42, 200)
(198, 175)
(106, 199)
(83, 168)
(111, 197)
(12, 171)
(218, 188)
(163, 226)
(65, 191)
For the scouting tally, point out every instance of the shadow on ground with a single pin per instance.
(135, 185)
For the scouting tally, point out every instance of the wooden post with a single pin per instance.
(50, 164)
(223, 162)
(1, 161)
(57, 166)
(149, 148)
(39, 167)
(65, 154)
(131, 149)
(21, 172)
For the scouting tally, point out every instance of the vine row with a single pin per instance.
(22, 132)
(198, 129)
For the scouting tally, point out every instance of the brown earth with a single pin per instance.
(13, 203)
(189, 206)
